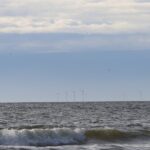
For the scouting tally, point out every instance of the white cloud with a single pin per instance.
(44, 24)
(62, 42)
(82, 16)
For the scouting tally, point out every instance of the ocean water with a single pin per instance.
(75, 126)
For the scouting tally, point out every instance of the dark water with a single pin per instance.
(75, 126)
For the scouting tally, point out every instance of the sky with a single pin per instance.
(66, 50)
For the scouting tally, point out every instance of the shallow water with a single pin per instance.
(73, 126)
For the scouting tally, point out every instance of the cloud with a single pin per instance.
(69, 25)
(44, 25)
(69, 16)
(70, 42)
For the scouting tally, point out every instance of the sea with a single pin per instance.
(75, 126)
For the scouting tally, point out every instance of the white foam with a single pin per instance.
(41, 137)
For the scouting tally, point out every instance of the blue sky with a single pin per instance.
(104, 75)
(55, 50)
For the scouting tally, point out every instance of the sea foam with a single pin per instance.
(41, 137)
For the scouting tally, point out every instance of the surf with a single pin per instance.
(65, 136)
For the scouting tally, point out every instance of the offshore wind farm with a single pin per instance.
(71, 96)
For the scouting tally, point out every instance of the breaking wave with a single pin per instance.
(63, 136)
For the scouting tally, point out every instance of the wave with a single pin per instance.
(63, 136)
(113, 134)
(41, 137)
